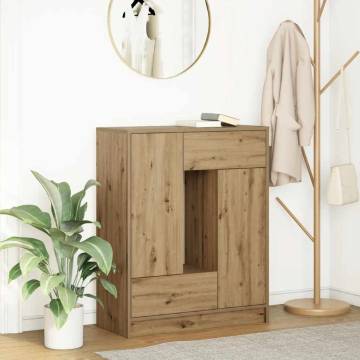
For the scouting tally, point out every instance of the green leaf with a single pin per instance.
(54, 195)
(82, 211)
(75, 237)
(29, 287)
(58, 312)
(43, 267)
(29, 262)
(65, 192)
(49, 282)
(99, 249)
(99, 301)
(88, 269)
(15, 272)
(35, 246)
(79, 291)
(82, 259)
(91, 183)
(31, 215)
(62, 246)
(109, 287)
(76, 199)
(53, 213)
(72, 227)
(68, 298)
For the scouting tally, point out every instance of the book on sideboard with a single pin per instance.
(198, 123)
(223, 119)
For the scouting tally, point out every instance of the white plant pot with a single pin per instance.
(70, 336)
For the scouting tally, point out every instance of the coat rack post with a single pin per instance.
(317, 147)
(317, 306)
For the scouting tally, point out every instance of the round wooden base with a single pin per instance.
(307, 307)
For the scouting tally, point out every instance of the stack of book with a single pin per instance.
(210, 120)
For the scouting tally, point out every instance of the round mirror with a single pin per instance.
(159, 38)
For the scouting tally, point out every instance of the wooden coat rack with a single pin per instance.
(317, 306)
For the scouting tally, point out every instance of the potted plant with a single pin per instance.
(78, 261)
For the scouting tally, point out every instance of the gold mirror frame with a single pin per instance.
(151, 77)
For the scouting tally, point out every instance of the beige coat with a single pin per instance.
(288, 105)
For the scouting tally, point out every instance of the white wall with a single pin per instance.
(345, 224)
(10, 302)
(71, 81)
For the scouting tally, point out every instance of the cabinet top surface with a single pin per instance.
(180, 129)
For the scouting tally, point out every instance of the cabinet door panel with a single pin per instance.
(242, 237)
(157, 204)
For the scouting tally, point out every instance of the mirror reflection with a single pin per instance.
(159, 38)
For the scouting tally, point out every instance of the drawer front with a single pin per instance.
(224, 150)
(174, 294)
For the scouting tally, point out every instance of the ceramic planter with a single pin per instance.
(70, 336)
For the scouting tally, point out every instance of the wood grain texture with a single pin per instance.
(224, 150)
(242, 237)
(157, 204)
(112, 212)
(180, 129)
(188, 323)
(174, 294)
(201, 220)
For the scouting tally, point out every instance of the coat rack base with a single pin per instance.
(307, 307)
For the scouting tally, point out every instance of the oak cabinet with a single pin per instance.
(186, 211)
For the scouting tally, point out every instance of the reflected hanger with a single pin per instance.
(135, 2)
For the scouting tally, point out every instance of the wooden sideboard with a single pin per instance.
(186, 211)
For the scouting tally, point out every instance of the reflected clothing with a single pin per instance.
(288, 104)
(137, 49)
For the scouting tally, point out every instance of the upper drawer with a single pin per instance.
(174, 294)
(224, 150)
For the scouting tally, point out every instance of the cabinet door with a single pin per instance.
(157, 204)
(242, 237)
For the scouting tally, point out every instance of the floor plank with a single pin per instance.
(29, 345)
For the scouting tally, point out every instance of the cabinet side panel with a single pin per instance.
(157, 204)
(112, 212)
(257, 223)
(242, 237)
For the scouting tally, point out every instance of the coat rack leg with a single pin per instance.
(308, 166)
(317, 306)
(329, 83)
(322, 8)
(291, 214)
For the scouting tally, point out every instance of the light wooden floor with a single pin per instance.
(29, 345)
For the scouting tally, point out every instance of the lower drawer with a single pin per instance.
(185, 323)
(174, 294)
